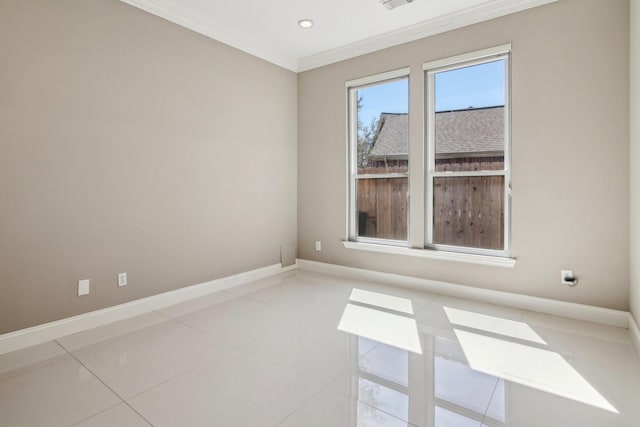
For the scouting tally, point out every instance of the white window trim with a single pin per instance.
(377, 78)
(407, 248)
(446, 64)
(493, 261)
(455, 61)
(352, 217)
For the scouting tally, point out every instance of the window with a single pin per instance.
(467, 155)
(461, 168)
(379, 158)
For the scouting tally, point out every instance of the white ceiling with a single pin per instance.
(343, 28)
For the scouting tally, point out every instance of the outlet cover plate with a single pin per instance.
(83, 287)
(566, 274)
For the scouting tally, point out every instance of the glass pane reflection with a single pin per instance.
(445, 418)
(387, 362)
(391, 385)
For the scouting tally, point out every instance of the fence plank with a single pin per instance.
(468, 211)
(384, 201)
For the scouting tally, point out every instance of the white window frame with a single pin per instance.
(352, 87)
(430, 70)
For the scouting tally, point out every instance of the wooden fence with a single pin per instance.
(468, 211)
(382, 208)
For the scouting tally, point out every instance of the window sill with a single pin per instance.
(433, 254)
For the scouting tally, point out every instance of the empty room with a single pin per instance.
(363, 213)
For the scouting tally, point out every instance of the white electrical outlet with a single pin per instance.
(83, 287)
(567, 278)
(318, 245)
(122, 279)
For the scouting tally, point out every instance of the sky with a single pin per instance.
(476, 86)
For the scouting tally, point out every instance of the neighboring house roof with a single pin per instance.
(392, 136)
(478, 131)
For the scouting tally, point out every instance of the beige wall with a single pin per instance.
(131, 144)
(635, 159)
(570, 145)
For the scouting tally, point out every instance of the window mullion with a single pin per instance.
(382, 175)
(469, 173)
(431, 154)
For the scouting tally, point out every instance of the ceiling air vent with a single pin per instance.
(392, 4)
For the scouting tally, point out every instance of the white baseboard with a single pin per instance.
(59, 328)
(543, 305)
(53, 330)
(634, 331)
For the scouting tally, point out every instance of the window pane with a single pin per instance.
(382, 208)
(470, 117)
(469, 211)
(382, 147)
(383, 128)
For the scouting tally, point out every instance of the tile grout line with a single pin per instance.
(351, 398)
(239, 347)
(498, 378)
(231, 349)
(103, 383)
(96, 414)
(193, 328)
(409, 422)
(302, 404)
(188, 371)
(486, 410)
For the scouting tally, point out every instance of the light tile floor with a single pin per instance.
(303, 349)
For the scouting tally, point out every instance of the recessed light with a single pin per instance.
(305, 23)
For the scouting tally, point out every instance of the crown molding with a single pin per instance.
(418, 31)
(219, 33)
(262, 50)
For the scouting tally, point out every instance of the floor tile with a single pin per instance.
(323, 354)
(196, 304)
(446, 313)
(118, 416)
(30, 358)
(418, 298)
(293, 295)
(139, 360)
(111, 330)
(234, 390)
(448, 418)
(329, 408)
(235, 321)
(306, 349)
(411, 387)
(267, 282)
(523, 406)
(576, 327)
(55, 394)
(574, 359)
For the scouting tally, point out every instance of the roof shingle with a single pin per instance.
(478, 130)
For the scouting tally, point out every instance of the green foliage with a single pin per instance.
(366, 137)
